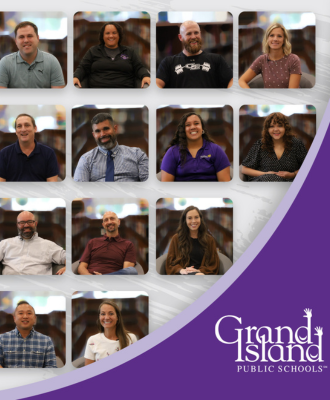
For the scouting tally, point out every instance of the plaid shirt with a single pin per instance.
(35, 351)
(131, 165)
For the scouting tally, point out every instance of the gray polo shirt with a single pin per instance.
(44, 72)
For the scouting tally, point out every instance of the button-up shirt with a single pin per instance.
(30, 257)
(34, 351)
(131, 165)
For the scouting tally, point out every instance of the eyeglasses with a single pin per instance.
(22, 223)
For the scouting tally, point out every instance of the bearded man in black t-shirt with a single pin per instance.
(193, 68)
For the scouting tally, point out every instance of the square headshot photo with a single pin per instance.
(33, 50)
(32, 329)
(194, 50)
(110, 143)
(104, 323)
(110, 236)
(32, 143)
(194, 143)
(111, 49)
(32, 236)
(194, 236)
(276, 50)
(274, 141)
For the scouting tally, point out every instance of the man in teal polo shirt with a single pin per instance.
(30, 67)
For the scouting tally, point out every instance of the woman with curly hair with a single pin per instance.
(192, 155)
(278, 155)
(192, 250)
(110, 64)
(112, 335)
(280, 68)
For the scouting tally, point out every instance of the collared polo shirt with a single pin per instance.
(34, 351)
(15, 166)
(106, 255)
(44, 72)
(209, 160)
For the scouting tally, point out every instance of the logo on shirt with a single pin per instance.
(192, 66)
(208, 156)
(124, 57)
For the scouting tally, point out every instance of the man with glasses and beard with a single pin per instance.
(109, 161)
(193, 68)
(27, 253)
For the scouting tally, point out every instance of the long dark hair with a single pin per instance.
(185, 243)
(121, 332)
(180, 138)
(267, 140)
(119, 30)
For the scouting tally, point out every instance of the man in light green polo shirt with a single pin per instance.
(30, 67)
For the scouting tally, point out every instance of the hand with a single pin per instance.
(286, 174)
(200, 273)
(319, 331)
(76, 81)
(308, 312)
(183, 272)
(61, 271)
(146, 79)
(192, 269)
(97, 273)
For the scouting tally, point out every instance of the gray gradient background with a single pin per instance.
(253, 204)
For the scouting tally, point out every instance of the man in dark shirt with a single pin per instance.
(193, 68)
(109, 254)
(27, 160)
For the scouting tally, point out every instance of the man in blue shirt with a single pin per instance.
(27, 160)
(24, 347)
(30, 67)
(111, 162)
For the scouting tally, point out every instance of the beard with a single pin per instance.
(107, 145)
(26, 234)
(192, 49)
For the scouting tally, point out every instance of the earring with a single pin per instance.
(203, 132)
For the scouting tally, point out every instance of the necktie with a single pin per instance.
(109, 176)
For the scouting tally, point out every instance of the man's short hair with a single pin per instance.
(101, 117)
(20, 303)
(26, 115)
(24, 24)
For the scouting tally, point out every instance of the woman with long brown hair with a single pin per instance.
(112, 335)
(192, 155)
(192, 250)
(278, 155)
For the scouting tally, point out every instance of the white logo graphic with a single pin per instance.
(281, 344)
(192, 66)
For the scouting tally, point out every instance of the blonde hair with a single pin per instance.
(286, 44)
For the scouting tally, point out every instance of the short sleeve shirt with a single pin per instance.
(276, 74)
(210, 159)
(205, 70)
(15, 166)
(44, 72)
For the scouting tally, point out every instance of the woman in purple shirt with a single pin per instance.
(192, 155)
(280, 68)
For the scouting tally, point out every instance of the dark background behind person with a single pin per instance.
(217, 37)
(250, 126)
(51, 324)
(219, 221)
(86, 33)
(134, 310)
(86, 226)
(132, 129)
(56, 46)
(252, 28)
(218, 121)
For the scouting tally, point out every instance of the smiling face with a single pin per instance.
(276, 39)
(25, 131)
(193, 128)
(24, 317)
(111, 37)
(27, 42)
(108, 316)
(105, 134)
(276, 130)
(111, 223)
(193, 221)
(26, 225)
(190, 36)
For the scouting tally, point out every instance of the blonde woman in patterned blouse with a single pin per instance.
(278, 155)
(280, 68)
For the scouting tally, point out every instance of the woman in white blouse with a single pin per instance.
(112, 335)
